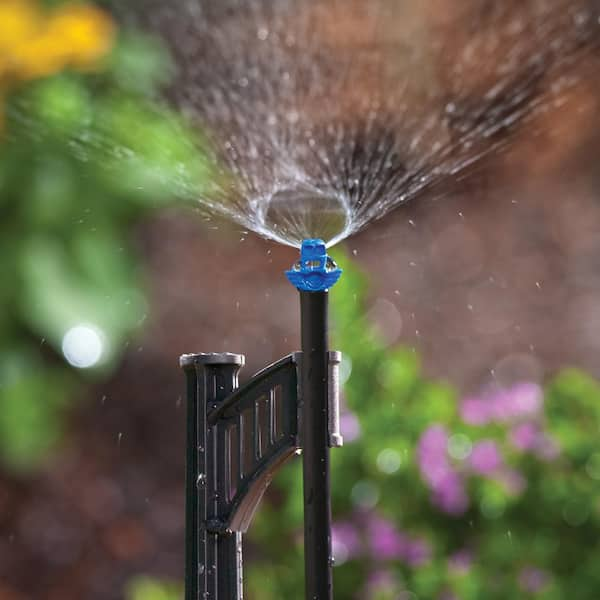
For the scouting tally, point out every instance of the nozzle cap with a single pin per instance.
(315, 271)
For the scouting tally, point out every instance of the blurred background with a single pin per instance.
(469, 320)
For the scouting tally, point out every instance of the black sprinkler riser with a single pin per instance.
(237, 439)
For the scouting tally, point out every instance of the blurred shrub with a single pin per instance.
(443, 498)
(86, 148)
(144, 588)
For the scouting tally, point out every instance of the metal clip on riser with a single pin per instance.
(333, 410)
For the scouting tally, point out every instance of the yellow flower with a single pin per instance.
(35, 42)
(85, 32)
(20, 22)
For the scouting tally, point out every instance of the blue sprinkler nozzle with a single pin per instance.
(315, 271)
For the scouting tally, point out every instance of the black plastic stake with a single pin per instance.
(213, 568)
(317, 499)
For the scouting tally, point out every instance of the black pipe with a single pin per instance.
(316, 477)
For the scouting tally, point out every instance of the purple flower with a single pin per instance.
(435, 439)
(476, 411)
(349, 427)
(379, 582)
(345, 541)
(385, 541)
(525, 436)
(417, 552)
(444, 481)
(431, 454)
(485, 458)
(532, 579)
(522, 400)
(512, 480)
(449, 494)
(460, 562)
(528, 437)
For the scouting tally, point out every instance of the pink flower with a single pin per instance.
(449, 494)
(345, 540)
(385, 541)
(349, 427)
(476, 411)
(447, 487)
(485, 458)
(431, 454)
(379, 582)
(417, 552)
(525, 436)
(522, 400)
(460, 562)
(528, 437)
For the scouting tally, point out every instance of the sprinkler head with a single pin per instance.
(315, 271)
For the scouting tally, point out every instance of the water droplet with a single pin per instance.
(201, 481)
(84, 345)
(388, 461)
(293, 115)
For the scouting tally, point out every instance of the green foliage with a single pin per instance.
(530, 522)
(83, 156)
(31, 399)
(145, 588)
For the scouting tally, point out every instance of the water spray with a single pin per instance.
(293, 214)
(237, 439)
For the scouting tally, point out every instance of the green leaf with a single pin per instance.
(31, 399)
(147, 588)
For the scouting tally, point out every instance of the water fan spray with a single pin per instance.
(292, 215)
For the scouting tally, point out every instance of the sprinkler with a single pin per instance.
(238, 437)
